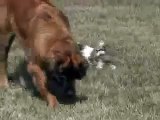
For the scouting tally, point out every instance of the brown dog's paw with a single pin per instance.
(4, 82)
(52, 100)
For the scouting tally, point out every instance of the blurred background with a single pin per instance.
(131, 32)
(104, 3)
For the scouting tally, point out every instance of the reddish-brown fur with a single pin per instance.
(44, 32)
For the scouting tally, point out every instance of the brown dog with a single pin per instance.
(44, 32)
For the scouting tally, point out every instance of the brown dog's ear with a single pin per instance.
(65, 64)
(76, 60)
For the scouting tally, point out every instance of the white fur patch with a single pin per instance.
(101, 43)
(86, 52)
(113, 67)
(100, 64)
(100, 53)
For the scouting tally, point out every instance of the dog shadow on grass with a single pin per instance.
(23, 78)
(79, 99)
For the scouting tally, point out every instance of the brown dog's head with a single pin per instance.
(67, 60)
(63, 57)
(66, 66)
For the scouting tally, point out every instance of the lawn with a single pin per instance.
(131, 30)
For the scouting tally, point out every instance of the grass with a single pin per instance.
(131, 92)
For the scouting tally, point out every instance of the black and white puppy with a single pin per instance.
(96, 56)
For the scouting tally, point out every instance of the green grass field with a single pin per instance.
(130, 28)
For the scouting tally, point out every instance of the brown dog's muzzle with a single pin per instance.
(76, 73)
(62, 73)
(61, 81)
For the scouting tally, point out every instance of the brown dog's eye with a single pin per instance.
(45, 16)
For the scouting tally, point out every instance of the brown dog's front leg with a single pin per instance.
(3, 75)
(40, 78)
(3, 62)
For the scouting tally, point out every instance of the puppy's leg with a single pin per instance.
(40, 78)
